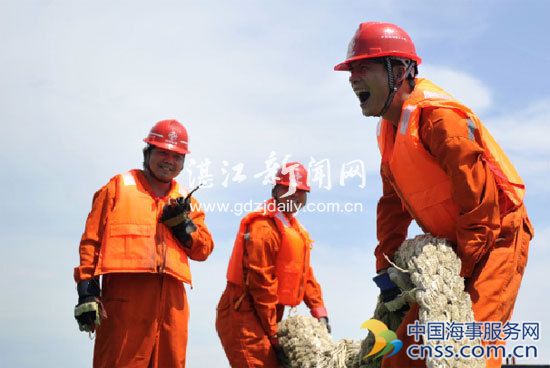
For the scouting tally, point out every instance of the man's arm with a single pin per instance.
(392, 223)
(202, 244)
(313, 296)
(447, 136)
(259, 259)
(90, 242)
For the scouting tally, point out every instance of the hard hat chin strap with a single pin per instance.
(392, 84)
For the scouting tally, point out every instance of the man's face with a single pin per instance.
(369, 81)
(164, 164)
(291, 203)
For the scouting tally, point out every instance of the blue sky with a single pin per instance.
(83, 83)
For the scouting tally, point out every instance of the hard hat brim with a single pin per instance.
(344, 66)
(167, 146)
(301, 187)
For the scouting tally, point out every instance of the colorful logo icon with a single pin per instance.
(385, 340)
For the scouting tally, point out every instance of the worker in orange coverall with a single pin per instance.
(440, 167)
(269, 268)
(139, 236)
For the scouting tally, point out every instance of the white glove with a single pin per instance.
(408, 291)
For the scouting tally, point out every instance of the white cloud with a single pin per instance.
(99, 87)
(471, 91)
(525, 132)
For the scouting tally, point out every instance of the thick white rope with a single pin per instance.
(434, 270)
(307, 344)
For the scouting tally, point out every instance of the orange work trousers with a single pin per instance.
(493, 287)
(146, 325)
(242, 336)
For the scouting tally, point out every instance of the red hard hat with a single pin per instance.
(375, 39)
(169, 135)
(293, 174)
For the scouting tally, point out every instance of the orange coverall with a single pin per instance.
(246, 319)
(147, 313)
(493, 248)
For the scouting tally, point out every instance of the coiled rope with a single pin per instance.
(434, 270)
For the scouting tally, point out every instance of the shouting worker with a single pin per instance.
(440, 167)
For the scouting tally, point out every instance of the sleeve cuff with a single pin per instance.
(83, 273)
(381, 263)
(319, 312)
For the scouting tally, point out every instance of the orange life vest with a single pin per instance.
(423, 186)
(292, 264)
(134, 240)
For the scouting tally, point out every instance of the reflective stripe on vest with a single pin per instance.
(134, 240)
(292, 263)
(128, 178)
(424, 188)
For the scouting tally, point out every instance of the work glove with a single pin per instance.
(324, 322)
(396, 289)
(89, 311)
(175, 215)
(279, 352)
(408, 291)
(401, 279)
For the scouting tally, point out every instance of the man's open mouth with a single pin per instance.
(363, 96)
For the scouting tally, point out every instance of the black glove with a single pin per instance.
(279, 352)
(89, 311)
(175, 215)
(88, 290)
(324, 321)
(388, 290)
(394, 298)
